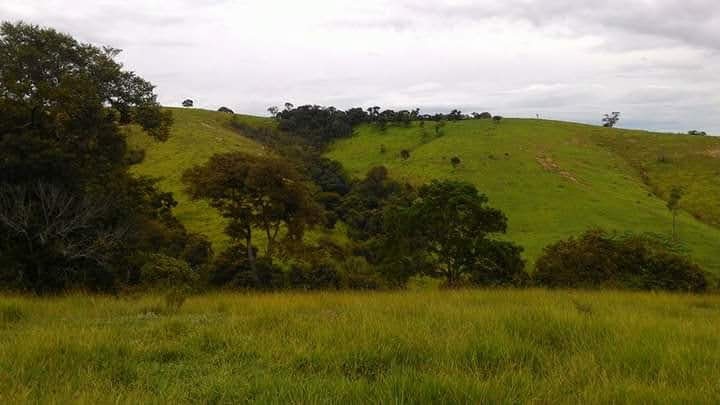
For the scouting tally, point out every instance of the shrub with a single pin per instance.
(232, 268)
(319, 276)
(597, 259)
(455, 161)
(226, 110)
(134, 156)
(357, 274)
(405, 154)
(160, 271)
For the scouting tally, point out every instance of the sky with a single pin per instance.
(655, 61)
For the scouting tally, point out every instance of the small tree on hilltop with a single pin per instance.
(673, 205)
(609, 120)
(224, 109)
(188, 103)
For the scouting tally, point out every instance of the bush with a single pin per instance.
(357, 274)
(164, 272)
(597, 259)
(232, 268)
(224, 109)
(319, 276)
(134, 156)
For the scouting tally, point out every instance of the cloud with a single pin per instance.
(654, 60)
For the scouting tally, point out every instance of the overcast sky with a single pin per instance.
(656, 61)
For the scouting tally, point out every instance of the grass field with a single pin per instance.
(556, 179)
(503, 346)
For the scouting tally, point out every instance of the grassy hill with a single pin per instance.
(196, 135)
(557, 179)
(553, 179)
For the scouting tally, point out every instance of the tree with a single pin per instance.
(405, 154)
(485, 115)
(452, 224)
(673, 205)
(273, 110)
(187, 103)
(226, 110)
(609, 120)
(497, 119)
(455, 162)
(61, 106)
(254, 192)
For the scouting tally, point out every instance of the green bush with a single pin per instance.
(320, 276)
(597, 259)
(357, 274)
(164, 272)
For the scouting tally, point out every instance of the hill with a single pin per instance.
(196, 135)
(557, 179)
(553, 179)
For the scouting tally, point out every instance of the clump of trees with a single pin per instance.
(71, 215)
(449, 229)
(597, 259)
(187, 103)
(697, 133)
(224, 109)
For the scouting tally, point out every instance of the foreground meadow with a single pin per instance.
(399, 347)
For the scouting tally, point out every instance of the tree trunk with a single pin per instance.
(251, 255)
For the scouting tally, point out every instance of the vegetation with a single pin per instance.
(610, 120)
(71, 215)
(555, 180)
(504, 346)
(597, 259)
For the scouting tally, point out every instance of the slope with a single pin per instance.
(196, 135)
(553, 179)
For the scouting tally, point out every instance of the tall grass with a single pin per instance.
(395, 347)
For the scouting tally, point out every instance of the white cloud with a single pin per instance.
(656, 61)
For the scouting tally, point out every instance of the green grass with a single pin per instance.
(501, 346)
(556, 179)
(196, 135)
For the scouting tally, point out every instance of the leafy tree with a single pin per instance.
(451, 223)
(226, 110)
(609, 120)
(405, 154)
(673, 205)
(497, 119)
(187, 103)
(62, 154)
(254, 192)
(597, 259)
(455, 162)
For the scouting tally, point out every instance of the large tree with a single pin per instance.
(254, 192)
(452, 225)
(65, 191)
(60, 105)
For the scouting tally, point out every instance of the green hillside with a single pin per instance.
(196, 135)
(553, 179)
(556, 179)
